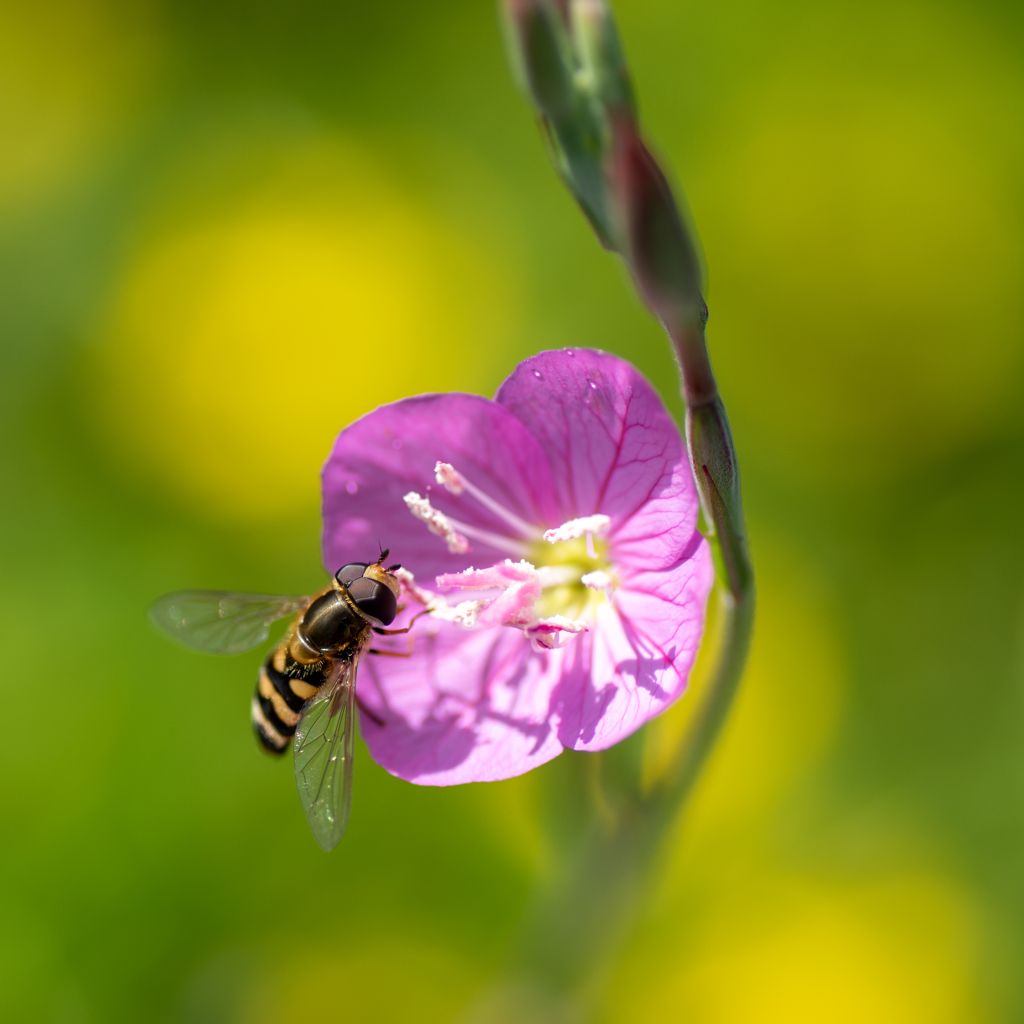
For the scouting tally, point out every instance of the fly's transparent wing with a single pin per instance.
(219, 622)
(324, 742)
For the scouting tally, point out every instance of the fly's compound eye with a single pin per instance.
(375, 599)
(348, 574)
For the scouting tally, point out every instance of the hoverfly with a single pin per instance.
(307, 685)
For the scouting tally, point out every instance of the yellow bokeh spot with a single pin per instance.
(241, 342)
(866, 255)
(731, 935)
(902, 950)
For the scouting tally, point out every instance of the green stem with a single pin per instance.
(737, 627)
(571, 64)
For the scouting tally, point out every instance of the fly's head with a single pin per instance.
(372, 588)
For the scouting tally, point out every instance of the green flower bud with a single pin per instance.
(654, 240)
(543, 55)
(600, 54)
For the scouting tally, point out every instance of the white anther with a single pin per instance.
(462, 614)
(596, 526)
(448, 476)
(412, 588)
(597, 580)
(437, 522)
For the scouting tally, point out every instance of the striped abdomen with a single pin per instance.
(331, 627)
(284, 686)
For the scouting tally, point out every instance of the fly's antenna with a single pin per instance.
(383, 554)
(395, 567)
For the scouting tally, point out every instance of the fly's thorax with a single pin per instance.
(329, 625)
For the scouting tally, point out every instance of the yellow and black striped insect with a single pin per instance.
(307, 685)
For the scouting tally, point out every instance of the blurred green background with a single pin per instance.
(227, 229)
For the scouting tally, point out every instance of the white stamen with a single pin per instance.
(456, 532)
(448, 476)
(437, 523)
(592, 526)
(412, 588)
(462, 614)
(597, 580)
(495, 540)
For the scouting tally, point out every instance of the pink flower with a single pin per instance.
(571, 495)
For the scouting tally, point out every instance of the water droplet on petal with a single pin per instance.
(570, 352)
(595, 399)
(351, 487)
(538, 375)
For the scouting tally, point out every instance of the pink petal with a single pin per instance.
(612, 448)
(481, 705)
(570, 435)
(394, 449)
(469, 706)
(639, 657)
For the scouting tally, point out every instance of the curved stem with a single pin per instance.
(737, 628)
(571, 64)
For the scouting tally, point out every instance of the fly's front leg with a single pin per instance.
(394, 654)
(394, 632)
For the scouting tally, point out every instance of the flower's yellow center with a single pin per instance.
(564, 565)
(554, 588)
